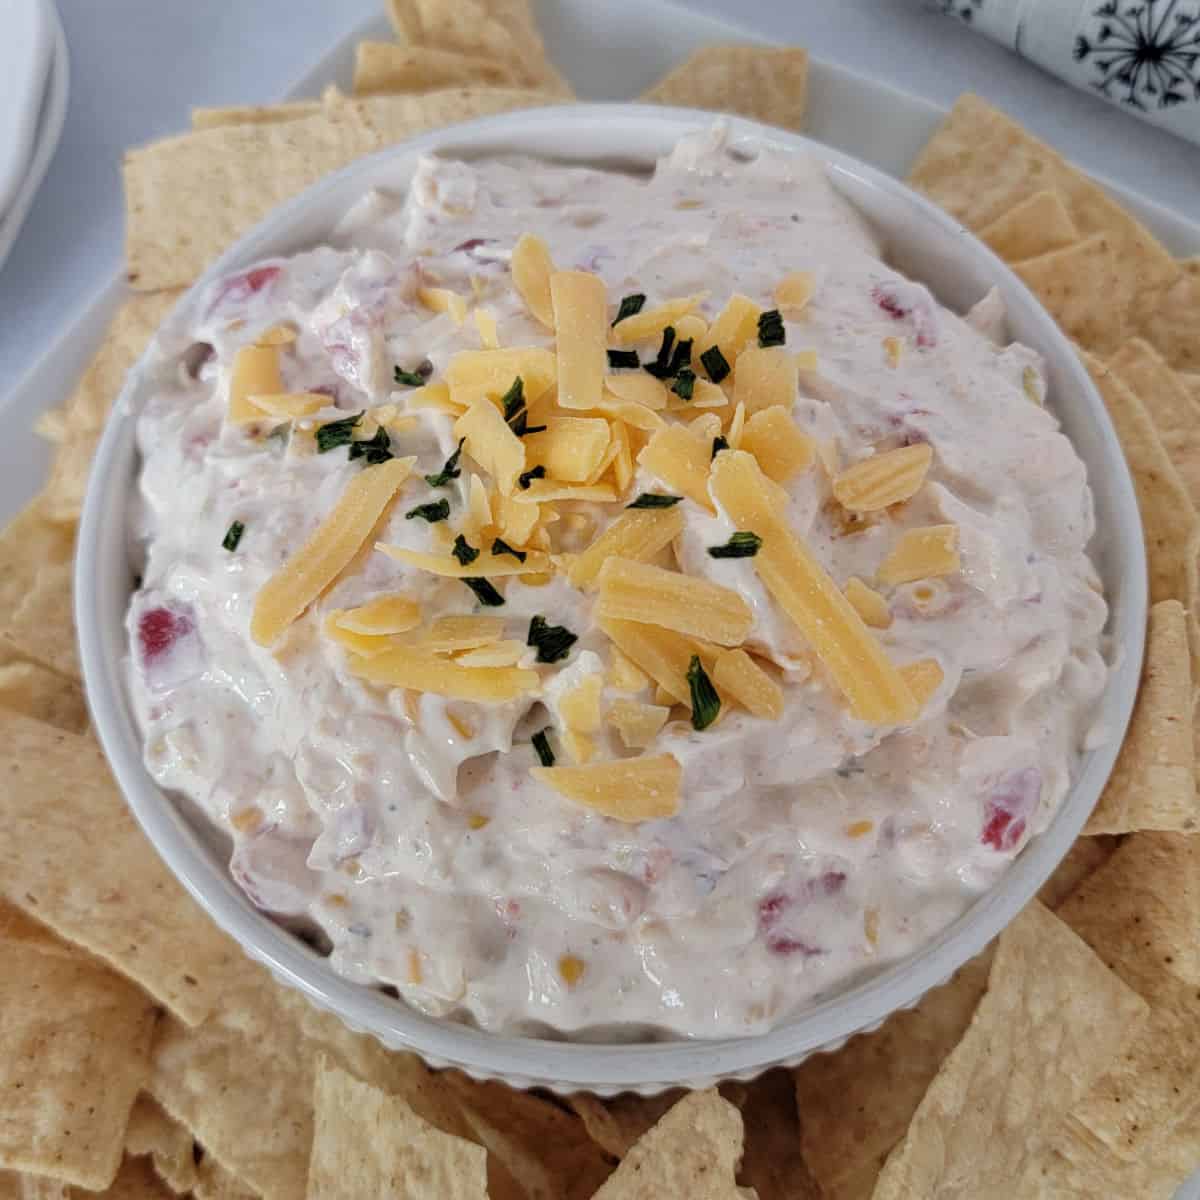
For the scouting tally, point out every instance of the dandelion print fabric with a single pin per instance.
(1143, 55)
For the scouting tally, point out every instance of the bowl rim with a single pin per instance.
(569, 1066)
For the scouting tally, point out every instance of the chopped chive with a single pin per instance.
(541, 743)
(623, 358)
(719, 443)
(553, 642)
(527, 477)
(438, 510)
(451, 469)
(407, 378)
(502, 547)
(705, 701)
(660, 368)
(529, 428)
(654, 500)
(682, 356)
(629, 306)
(685, 383)
(742, 544)
(484, 592)
(464, 551)
(770, 328)
(715, 364)
(336, 433)
(375, 450)
(233, 535)
(514, 399)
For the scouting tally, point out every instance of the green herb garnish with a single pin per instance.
(437, 510)
(502, 547)
(629, 306)
(682, 356)
(719, 443)
(450, 471)
(660, 368)
(484, 592)
(408, 378)
(541, 743)
(705, 701)
(233, 535)
(336, 433)
(552, 642)
(464, 551)
(742, 544)
(514, 399)
(685, 383)
(715, 364)
(527, 477)
(375, 449)
(654, 500)
(770, 328)
(623, 358)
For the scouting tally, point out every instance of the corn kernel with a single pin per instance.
(571, 969)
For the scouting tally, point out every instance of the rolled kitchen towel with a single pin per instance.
(1143, 55)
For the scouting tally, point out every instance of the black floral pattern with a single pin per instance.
(1146, 55)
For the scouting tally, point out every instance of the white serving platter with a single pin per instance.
(611, 50)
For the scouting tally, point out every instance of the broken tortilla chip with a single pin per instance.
(764, 83)
(117, 899)
(253, 114)
(75, 1039)
(367, 1143)
(1152, 785)
(1039, 224)
(1172, 323)
(37, 692)
(693, 1151)
(153, 1134)
(1051, 1019)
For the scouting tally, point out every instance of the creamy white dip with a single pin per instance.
(807, 850)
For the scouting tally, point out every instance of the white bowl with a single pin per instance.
(925, 244)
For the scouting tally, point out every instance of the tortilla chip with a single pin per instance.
(62, 499)
(1087, 854)
(856, 1103)
(1169, 521)
(1069, 282)
(111, 894)
(19, 929)
(386, 67)
(693, 1151)
(1172, 323)
(35, 591)
(366, 1143)
(1172, 410)
(1140, 913)
(614, 1125)
(169, 1146)
(1036, 225)
(187, 198)
(1153, 783)
(1190, 382)
(764, 83)
(256, 114)
(501, 30)
(772, 1161)
(34, 691)
(74, 1040)
(1075, 1166)
(213, 1182)
(1050, 1021)
(981, 163)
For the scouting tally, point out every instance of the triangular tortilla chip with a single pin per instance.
(1036, 225)
(253, 114)
(1069, 283)
(1153, 783)
(385, 67)
(1172, 322)
(764, 83)
(1053, 1017)
(1087, 854)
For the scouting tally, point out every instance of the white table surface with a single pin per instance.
(137, 66)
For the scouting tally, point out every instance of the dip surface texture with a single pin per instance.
(362, 789)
